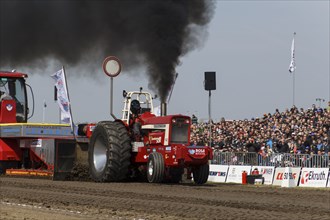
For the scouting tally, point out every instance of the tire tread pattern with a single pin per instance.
(201, 174)
(119, 151)
(158, 169)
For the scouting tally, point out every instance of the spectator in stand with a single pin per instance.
(251, 146)
(319, 144)
(326, 147)
(282, 146)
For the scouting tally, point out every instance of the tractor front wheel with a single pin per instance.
(155, 168)
(109, 152)
(201, 174)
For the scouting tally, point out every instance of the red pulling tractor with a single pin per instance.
(142, 143)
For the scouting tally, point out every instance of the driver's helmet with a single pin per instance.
(135, 106)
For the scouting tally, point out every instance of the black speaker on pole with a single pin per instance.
(210, 83)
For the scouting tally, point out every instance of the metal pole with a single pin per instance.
(294, 68)
(293, 81)
(70, 111)
(111, 98)
(111, 94)
(210, 117)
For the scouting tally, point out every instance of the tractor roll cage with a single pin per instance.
(145, 100)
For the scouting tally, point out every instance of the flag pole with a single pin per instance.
(210, 126)
(67, 90)
(292, 68)
(294, 71)
(293, 86)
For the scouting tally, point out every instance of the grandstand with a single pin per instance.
(296, 136)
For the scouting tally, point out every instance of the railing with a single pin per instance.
(275, 159)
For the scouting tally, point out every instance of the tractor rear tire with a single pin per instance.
(201, 173)
(109, 152)
(155, 168)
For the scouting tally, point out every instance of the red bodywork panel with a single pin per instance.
(162, 119)
(8, 111)
(12, 74)
(89, 129)
(176, 155)
(196, 154)
(9, 150)
(147, 115)
(156, 138)
(8, 107)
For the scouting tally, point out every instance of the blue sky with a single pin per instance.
(247, 44)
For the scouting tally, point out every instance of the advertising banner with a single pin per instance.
(288, 178)
(314, 177)
(267, 173)
(280, 175)
(235, 173)
(218, 173)
(328, 180)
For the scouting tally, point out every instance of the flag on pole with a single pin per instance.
(62, 96)
(292, 66)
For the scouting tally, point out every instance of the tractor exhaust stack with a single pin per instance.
(163, 109)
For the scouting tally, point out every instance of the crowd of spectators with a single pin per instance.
(296, 131)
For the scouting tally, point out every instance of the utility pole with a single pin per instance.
(210, 84)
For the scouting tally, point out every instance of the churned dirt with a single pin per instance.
(23, 198)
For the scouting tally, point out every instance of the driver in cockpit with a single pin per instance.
(135, 121)
(4, 96)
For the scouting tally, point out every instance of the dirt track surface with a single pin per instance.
(22, 198)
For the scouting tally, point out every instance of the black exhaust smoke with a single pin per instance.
(140, 32)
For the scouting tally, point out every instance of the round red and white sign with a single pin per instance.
(111, 66)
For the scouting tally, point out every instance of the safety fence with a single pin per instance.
(274, 159)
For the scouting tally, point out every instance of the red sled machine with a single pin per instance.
(36, 149)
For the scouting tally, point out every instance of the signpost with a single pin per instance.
(112, 68)
(210, 84)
